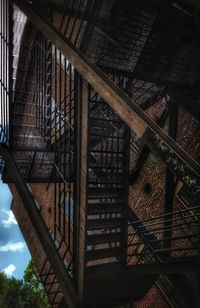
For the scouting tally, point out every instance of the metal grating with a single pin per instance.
(120, 37)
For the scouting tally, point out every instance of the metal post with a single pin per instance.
(81, 156)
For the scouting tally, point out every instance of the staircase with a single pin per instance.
(45, 117)
(108, 166)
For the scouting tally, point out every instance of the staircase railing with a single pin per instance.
(146, 241)
(6, 68)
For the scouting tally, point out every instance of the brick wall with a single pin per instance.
(154, 298)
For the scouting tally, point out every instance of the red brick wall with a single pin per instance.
(154, 298)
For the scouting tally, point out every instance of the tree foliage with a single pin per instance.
(24, 293)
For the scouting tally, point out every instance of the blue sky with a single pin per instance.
(14, 255)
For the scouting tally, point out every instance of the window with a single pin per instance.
(69, 205)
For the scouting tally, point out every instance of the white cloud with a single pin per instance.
(12, 247)
(10, 220)
(9, 269)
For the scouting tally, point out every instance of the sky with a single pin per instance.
(14, 254)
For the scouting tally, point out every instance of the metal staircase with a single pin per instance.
(108, 165)
(82, 85)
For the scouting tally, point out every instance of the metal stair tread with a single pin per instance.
(97, 208)
(103, 238)
(103, 253)
(97, 224)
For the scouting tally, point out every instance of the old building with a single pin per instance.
(100, 146)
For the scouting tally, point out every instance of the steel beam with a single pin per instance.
(65, 281)
(77, 171)
(176, 265)
(81, 157)
(179, 265)
(176, 159)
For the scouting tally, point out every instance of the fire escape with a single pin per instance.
(79, 83)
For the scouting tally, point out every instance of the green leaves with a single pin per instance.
(34, 286)
(23, 293)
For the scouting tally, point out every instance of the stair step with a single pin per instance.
(18, 114)
(104, 208)
(24, 125)
(106, 152)
(94, 120)
(103, 238)
(24, 129)
(103, 253)
(102, 135)
(106, 182)
(106, 192)
(112, 170)
(108, 177)
(97, 224)
(115, 164)
(17, 137)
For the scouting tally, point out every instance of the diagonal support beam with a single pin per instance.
(65, 281)
(177, 265)
(176, 159)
